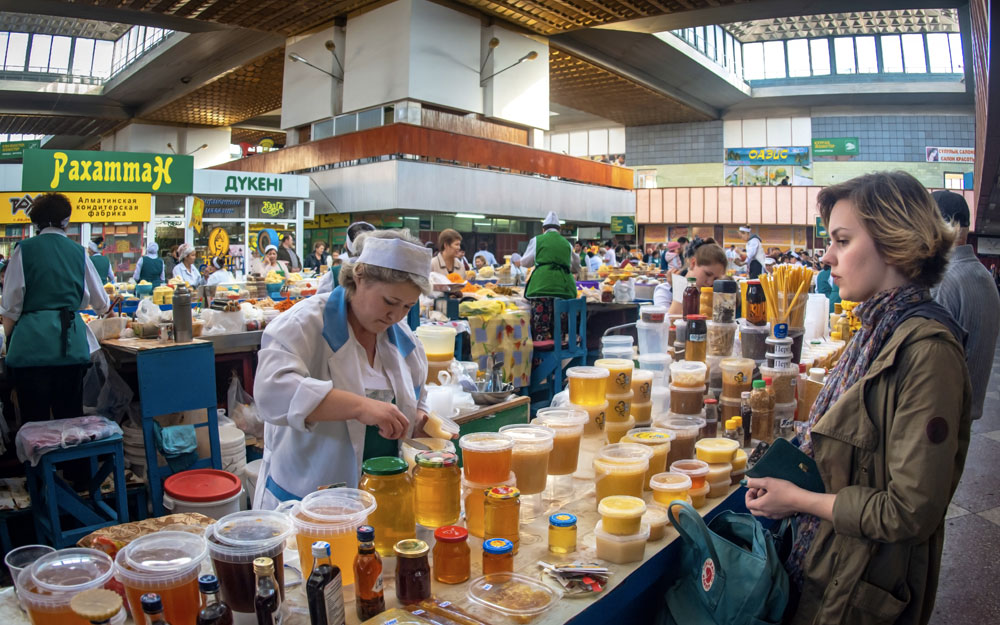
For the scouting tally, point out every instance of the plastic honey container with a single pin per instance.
(46, 587)
(656, 519)
(621, 515)
(687, 400)
(643, 413)
(697, 470)
(669, 487)
(699, 496)
(688, 373)
(619, 374)
(642, 384)
(615, 430)
(658, 440)
(715, 450)
(568, 425)
(718, 489)
(621, 549)
(587, 385)
(686, 432)
(739, 461)
(486, 456)
(619, 406)
(620, 469)
(533, 445)
(167, 563)
(596, 415)
(719, 471)
(235, 541)
(332, 515)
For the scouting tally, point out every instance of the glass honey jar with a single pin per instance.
(502, 514)
(452, 557)
(498, 556)
(437, 489)
(386, 479)
(562, 533)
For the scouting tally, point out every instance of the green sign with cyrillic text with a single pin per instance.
(85, 170)
(15, 149)
(622, 224)
(837, 146)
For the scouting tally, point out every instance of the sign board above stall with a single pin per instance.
(836, 146)
(114, 172)
(87, 207)
(15, 149)
(622, 224)
(334, 220)
(768, 156)
(249, 184)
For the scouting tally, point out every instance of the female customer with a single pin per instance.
(185, 270)
(318, 257)
(340, 377)
(48, 280)
(447, 260)
(890, 429)
(706, 264)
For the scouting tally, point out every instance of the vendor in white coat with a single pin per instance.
(186, 270)
(219, 274)
(354, 232)
(340, 375)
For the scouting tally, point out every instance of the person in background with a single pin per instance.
(186, 269)
(826, 286)
(218, 274)
(479, 262)
(101, 263)
(578, 248)
(517, 272)
(149, 267)
(671, 259)
(463, 260)
(486, 254)
(287, 253)
(755, 252)
(967, 292)
(609, 254)
(890, 429)
(554, 264)
(329, 280)
(170, 260)
(649, 254)
(593, 262)
(318, 257)
(449, 245)
(706, 264)
(48, 280)
(270, 262)
(733, 260)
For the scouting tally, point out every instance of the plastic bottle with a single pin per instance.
(368, 583)
(692, 298)
(730, 431)
(152, 605)
(746, 414)
(711, 418)
(213, 610)
(740, 433)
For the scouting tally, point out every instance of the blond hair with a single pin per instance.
(901, 217)
(350, 272)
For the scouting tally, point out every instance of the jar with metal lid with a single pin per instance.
(562, 533)
(413, 572)
(386, 479)
(503, 514)
(437, 489)
(498, 556)
(452, 557)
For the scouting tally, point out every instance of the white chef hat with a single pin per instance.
(398, 254)
(515, 257)
(551, 220)
(358, 228)
(270, 247)
(745, 229)
(93, 247)
(184, 250)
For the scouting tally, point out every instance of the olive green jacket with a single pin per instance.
(892, 449)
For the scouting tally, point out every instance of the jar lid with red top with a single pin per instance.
(697, 317)
(503, 492)
(451, 534)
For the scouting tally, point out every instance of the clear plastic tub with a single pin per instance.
(587, 385)
(736, 476)
(620, 469)
(474, 503)
(689, 400)
(530, 459)
(739, 461)
(721, 337)
(71, 570)
(235, 540)
(654, 362)
(718, 471)
(658, 440)
(670, 486)
(568, 424)
(699, 496)
(716, 450)
(621, 549)
(780, 347)
(43, 606)
(616, 341)
(617, 353)
(486, 456)
(516, 596)
(660, 396)
(651, 313)
(168, 564)
(642, 413)
(656, 519)
(737, 375)
(642, 385)
(620, 374)
(441, 427)
(783, 381)
(689, 374)
(409, 453)
(697, 470)
(619, 406)
(438, 342)
(652, 337)
(615, 430)
(714, 371)
(728, 408)
(752, 340)
(621, 514)
(718, 489)
(686, 431)
(596, 415)
(332, 515)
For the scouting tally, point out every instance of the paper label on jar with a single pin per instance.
(377, 586)
(697, 338)
(487, 586)
(445, 604)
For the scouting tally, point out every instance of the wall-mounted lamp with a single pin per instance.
(494, 42)
(531, 56)
(332, 47)
(197, 149)
(297, 58)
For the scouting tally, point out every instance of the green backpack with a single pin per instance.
(732, 574)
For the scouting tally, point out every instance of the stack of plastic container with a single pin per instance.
(618, 417)
(687, 387)
(737, 378)
(617, 346)
(784, 377)
(652, 330)
(588, 389)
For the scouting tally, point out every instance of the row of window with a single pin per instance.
(8, 137)
(76, 56)
(916, 53)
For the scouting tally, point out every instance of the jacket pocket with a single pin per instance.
(871, 604)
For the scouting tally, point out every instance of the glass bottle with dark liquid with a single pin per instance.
(213, 610)
(756, 312)
(323, 588)
(369, 597)
(267, 599)
(692, 298)
(152, 605)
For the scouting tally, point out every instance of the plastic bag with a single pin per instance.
(243, 410)
(147, 312)
(115, 396)
(105, 329)
(36, 438)
(222, 322)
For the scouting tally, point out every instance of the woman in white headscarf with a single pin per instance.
(270, 261)
(150, 267)
(186, 270)
(219, 274)
(340, 375)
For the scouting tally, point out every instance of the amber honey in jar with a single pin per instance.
(386, 478)
(437, 489)
(498, 556)
(562, 533)
(486, 456)
(502, 515)
(452, 557)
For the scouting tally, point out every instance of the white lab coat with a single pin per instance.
(306, 352)
(192, 276)
(222, 276)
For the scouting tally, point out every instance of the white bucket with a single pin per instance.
(213, 509)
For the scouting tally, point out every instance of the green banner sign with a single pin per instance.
(622, 224)
(837, 146)
(15, 149)
(84, 170)
(821, 229)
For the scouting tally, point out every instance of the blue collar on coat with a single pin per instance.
(335, 329)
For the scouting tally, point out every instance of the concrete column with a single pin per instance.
(142, 137)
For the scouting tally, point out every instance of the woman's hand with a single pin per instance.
(391, 423)
(418, 432)
(773, 498)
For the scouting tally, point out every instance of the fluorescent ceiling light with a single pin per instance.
(470, 215)
(483, 223)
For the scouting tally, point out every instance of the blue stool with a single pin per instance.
(554, 356)
(52, 498)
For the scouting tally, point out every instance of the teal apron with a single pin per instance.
(103, 267)
(49, 332)
(551, 277)
(151, 270)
